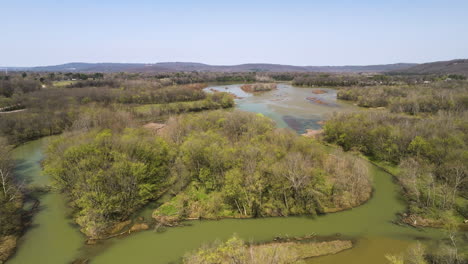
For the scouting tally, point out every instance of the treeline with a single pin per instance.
(327, 80)
(20, 83)
(301, 78)
(95, 83)
(35, 123)
(414, 99)
(14, 86)
(164, 79)
(352, 79)
(219, 164)
(109, 95)
(10, 86)
(431, 154)
(211, 102)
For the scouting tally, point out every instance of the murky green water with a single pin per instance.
(372, 219)
(366, 250)
(54, 240)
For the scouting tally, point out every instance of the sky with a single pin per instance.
(296, 32)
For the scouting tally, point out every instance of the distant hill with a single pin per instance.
(459, 66)
(200, 67)
(368, 68)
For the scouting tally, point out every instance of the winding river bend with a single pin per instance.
(53, 239)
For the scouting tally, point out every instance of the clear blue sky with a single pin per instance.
(299, 32)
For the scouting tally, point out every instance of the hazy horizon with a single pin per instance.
(153, 63)
(302, 33)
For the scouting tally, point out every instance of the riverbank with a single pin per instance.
(407, 217)
(7, 247)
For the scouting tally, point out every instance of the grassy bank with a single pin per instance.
(237, 251)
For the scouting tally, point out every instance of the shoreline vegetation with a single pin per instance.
(7, 247)
(12, 217)
(235, 250)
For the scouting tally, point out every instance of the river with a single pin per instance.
(54, 239)
(288, 105)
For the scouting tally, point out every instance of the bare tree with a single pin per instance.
(297, 171)
(9, 190)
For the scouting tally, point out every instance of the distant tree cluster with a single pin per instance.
(20, 86)
(414, 99)
(258, 87)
